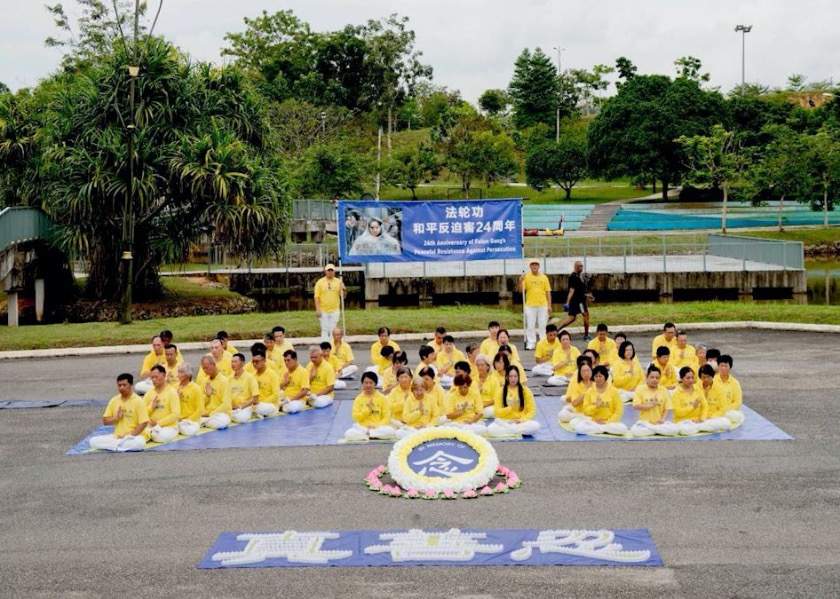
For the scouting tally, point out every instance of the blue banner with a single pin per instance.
(429, 231)
(453, 547)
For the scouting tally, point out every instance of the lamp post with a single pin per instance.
(559, 74)
(744, 29)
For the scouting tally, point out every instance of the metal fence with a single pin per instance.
(789, 254)
(314, 210)
(20, 224)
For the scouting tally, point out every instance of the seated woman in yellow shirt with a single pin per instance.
(690, 408)
(578, 387)
(515, 409)
(487, 384)
(653, 403)
(371, 413)
(627, 373)
(563, 362)
(715, 401)
(420, 409)
(398, 396)
(462, 406)
(602, 407)
(730, 388)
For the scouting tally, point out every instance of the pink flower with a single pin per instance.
(448, 494)
(431, 494)
(486, 490)
(469, 494)
(503, 470)
(412, 493)
(500, 487)
(380, 469)
(376, 484)
(396, 491)
(512, 479)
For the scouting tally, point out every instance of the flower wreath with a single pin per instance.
(478, 481)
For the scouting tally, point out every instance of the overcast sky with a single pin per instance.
(472, 44)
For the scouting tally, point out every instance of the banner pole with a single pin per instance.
(524, 270)
(342, 287)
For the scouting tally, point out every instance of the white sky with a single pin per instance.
(472, 44)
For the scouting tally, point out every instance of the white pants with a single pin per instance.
(567, 413)
(189, 428)
(544, 369)
(143, 387)
(111, 443)
(626, 396)
(320, 401)
(357, 432)
(583, 425)
(715, 425)
(164, 434)
(557, 380)
(373, 368)
(490, 412)
(446, 381)
(348, 371)
(404, 431)
(216, 421)
(265, 409)
(507, 428)
(329, 321)
(736, 417)
(340, 385)
(646, 429)
(478, 428)
(535, 321)
(293, 407)
(241, 415)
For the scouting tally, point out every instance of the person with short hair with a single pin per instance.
(446, 359)
(344, 355)
(229, 348)
(490, 345)
(471, 351)
(563, 361)
(536, 289)
(579, 385)
(268, 383)
(126, 412)
(545, 351)
(378, 364)
(296, 384)
(244, 390)
(433, 389)
(715, 401)
(191, 400)
(462, 406)
(668, 339)
(272, 352)
(690, 407)
(398, 395)
(163, 408)
(653, 402)
(669, 375)
(329, 358)
(280, 342)
(155, 356)
(627, 373)
(437, 341)
(730, 388)
(576, 300)
(321, 379)
(428, 358)
(371, 413)
(221, 360)
(602, 407)
(419, 409)
(218, 410)
(514, 409)
(487, 384)
(170, 350)
(328, 293)
(602, 344)
(684, 354)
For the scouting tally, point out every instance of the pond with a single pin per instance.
(823, 281)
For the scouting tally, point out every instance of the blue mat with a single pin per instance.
(454, 547)
(326, 427)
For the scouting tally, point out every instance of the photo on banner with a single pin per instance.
(376, 231)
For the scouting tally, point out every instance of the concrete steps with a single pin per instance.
(599, 217)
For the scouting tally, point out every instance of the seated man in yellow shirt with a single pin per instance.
(463, 406)
(191, 398)
(126, 412)
(268, 383)
(490, 346)
(669, 375)
(163, 408)
(244, 390)
(218, 410)
(332, 360)
(297, 384)
(343, 353)
(715, 400)
(321, 379)
(155, 356)
(428, 358)
(603, 345)
(437, 341)
(379, 362)
(544, 352)
(668, 338)
(731, 390)
(173, 360)
(446, 360)
(281, 344)
(684, 354)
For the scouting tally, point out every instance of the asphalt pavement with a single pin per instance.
(744, 519)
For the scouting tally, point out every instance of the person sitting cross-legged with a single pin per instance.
(371, 413)
(321, 379)
(462, 406)
(296, 384)
(690, 407)
(514, 410)
(218, 411)
(192, 401)
(126, 412)
(563, 361)
(244, 390)
(602, 407)
(578, 386)
(420, 409)
(163, 408)
(653, 403)
(268, 383)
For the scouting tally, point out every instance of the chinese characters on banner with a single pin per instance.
(429, 231)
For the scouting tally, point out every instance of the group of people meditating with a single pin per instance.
(684, 390)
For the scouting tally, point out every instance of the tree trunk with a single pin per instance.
(104, 269)
(723, 212)
(664, 190)
(781, 207)
(654, 185)
(568, 191)
(390, 129)
(825, 205)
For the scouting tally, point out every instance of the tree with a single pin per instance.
(625, 68)
(824, 158)
(533, 90)
(4, 89)
(456, 138)
(332, 171)
(496, 155)
(297, 125)
(796, 82)
(688, 67)
(634, 134)
(494, 101)
(784, 166)
(716, 160)
(18, 149)
(408, 167)
(560, 163)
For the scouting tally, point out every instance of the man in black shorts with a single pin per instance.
(576, 300)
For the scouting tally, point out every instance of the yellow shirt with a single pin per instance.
(536, 287)
(417, 414)
(324, 377)
(396, 399)
(445, 363)
(224, 368)
(268, 384)
(163, 407)
(218, 400)
(437, 394)
(152, 359)
(611, 405)
(577, 390)
(715, 400)
(489, 347)
(134, 414)
(489, 389)
(344, 353)
(605, 349)
(684, 357)
(644, 395)
(438, 347)
(275, 355)
(627, 376)
(334, 362)
(683, 402)
(731, 391)
(659, 341)
(192, 401)
(565, 363)
(328, 294)
(512, 411)
(376, 414)
(376, 359)
(298, 380)
(242, 389)
(471, 404)
(279, 369)
(545, 350)
(669, 375)
(172, 374)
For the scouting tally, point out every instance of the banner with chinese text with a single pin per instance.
(429, 231)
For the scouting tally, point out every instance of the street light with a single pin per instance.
(559, 74)
(744, 29)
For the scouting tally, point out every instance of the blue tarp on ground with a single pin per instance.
(326, 427)
(354, 548)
